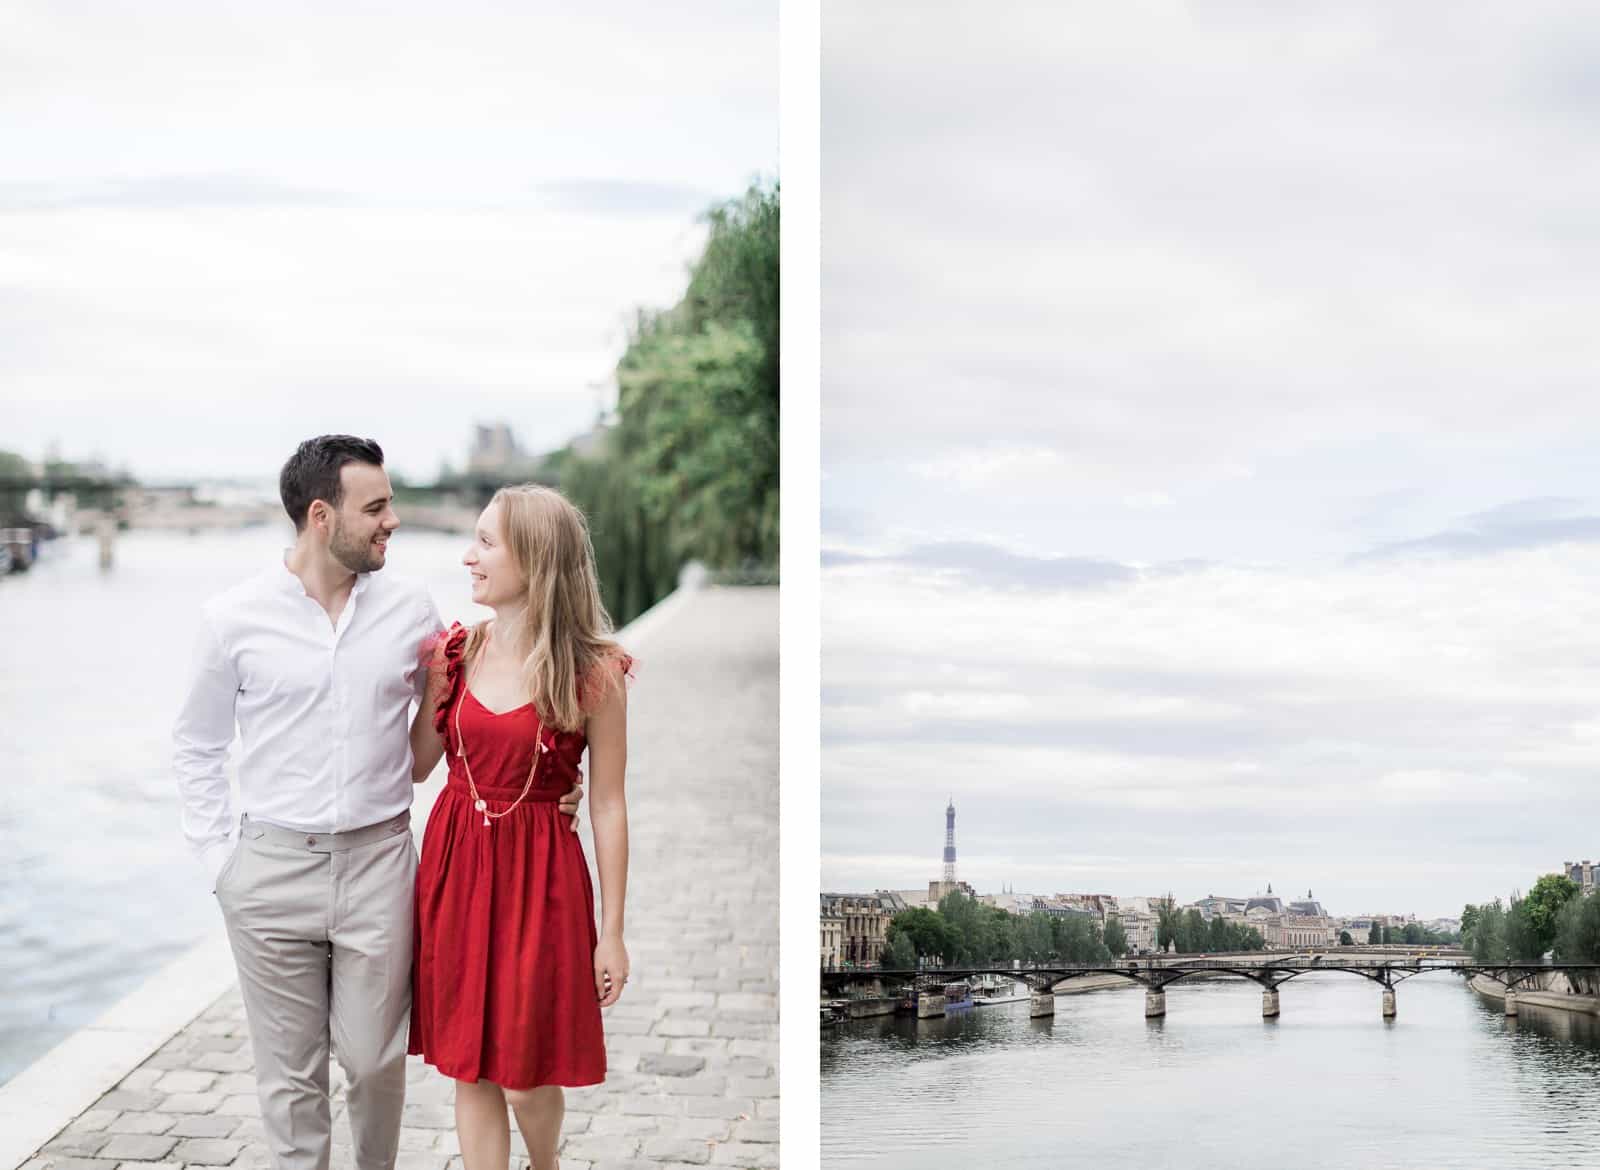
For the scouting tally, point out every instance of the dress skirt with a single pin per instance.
(503, 980)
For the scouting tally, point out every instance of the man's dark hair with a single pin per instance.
(312, 472)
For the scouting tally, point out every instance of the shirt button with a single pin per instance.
(311, 840)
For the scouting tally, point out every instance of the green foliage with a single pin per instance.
(696, 429)
(1489, 933)
(1345, 940)
(1168, 918)
(1578, 930)
(901, 953)
(737, 276)
(1553, 917)
(690, 470)
(1188, 932)
(1374, 935)
(982, 934)
(1522, 939)
(1115, 938)
(1543, 907)
(925, 929)
(637, 568)
(1034, 939)
(965, 932)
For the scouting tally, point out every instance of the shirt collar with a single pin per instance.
(292, 584)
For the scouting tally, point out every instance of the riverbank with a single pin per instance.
(1551, 994)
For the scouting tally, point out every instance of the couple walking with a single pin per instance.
(484, 949)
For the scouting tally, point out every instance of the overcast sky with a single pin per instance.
(227, 226)
(1209, 448)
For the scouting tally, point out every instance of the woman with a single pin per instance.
(510, 976)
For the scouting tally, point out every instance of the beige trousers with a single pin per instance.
(320, 925)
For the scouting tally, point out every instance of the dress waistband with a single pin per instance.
(324, 842)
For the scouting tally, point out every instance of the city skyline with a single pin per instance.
(266, 478)
(999, 884)
(1239, 515)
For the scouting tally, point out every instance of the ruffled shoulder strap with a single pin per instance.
(618, 668)
(444, 654)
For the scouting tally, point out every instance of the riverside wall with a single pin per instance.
(1551, 989)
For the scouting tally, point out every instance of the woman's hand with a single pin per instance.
(610, 969)
(568, 804)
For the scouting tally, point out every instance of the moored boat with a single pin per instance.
(992, 989)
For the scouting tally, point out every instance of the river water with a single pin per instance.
(1450, 1082)
(97, 888)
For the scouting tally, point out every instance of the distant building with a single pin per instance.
(1582, 873)
(1212, 906)
(1139, 927)
(910, 899)
(1101, 904)
(1310, 907)
(1269, 902)
(1021, 904)
(496, 452)
(863, 926)
(1060, 906)
(937, 891)
(832, 936)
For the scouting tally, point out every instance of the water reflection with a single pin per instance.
(1330, 1083)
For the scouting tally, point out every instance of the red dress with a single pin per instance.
(503, 975)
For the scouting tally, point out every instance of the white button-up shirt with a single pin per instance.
(323, 711)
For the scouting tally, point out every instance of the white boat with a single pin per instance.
(991, 989)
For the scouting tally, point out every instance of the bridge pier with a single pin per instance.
(1269, 1003)
(1040, 1004)
(929, 1006)
(1388, 1003)
(1155, 1004)
(1511, 1002)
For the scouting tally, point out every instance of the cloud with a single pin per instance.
(167, 193)
(1223, 726)
(987, 566)
(1519, 524)
(1341, 254)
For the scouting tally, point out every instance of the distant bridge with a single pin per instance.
(1157, 974)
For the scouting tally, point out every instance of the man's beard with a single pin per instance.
(357, 556)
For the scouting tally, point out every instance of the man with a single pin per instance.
(317, 660)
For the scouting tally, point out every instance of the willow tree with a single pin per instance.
(690, 469)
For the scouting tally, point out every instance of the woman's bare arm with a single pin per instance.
(607, 732)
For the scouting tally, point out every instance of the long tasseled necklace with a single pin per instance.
(461, 750)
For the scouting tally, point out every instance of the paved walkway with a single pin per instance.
(692, 1045)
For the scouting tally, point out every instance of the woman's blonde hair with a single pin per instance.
(566, 631)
